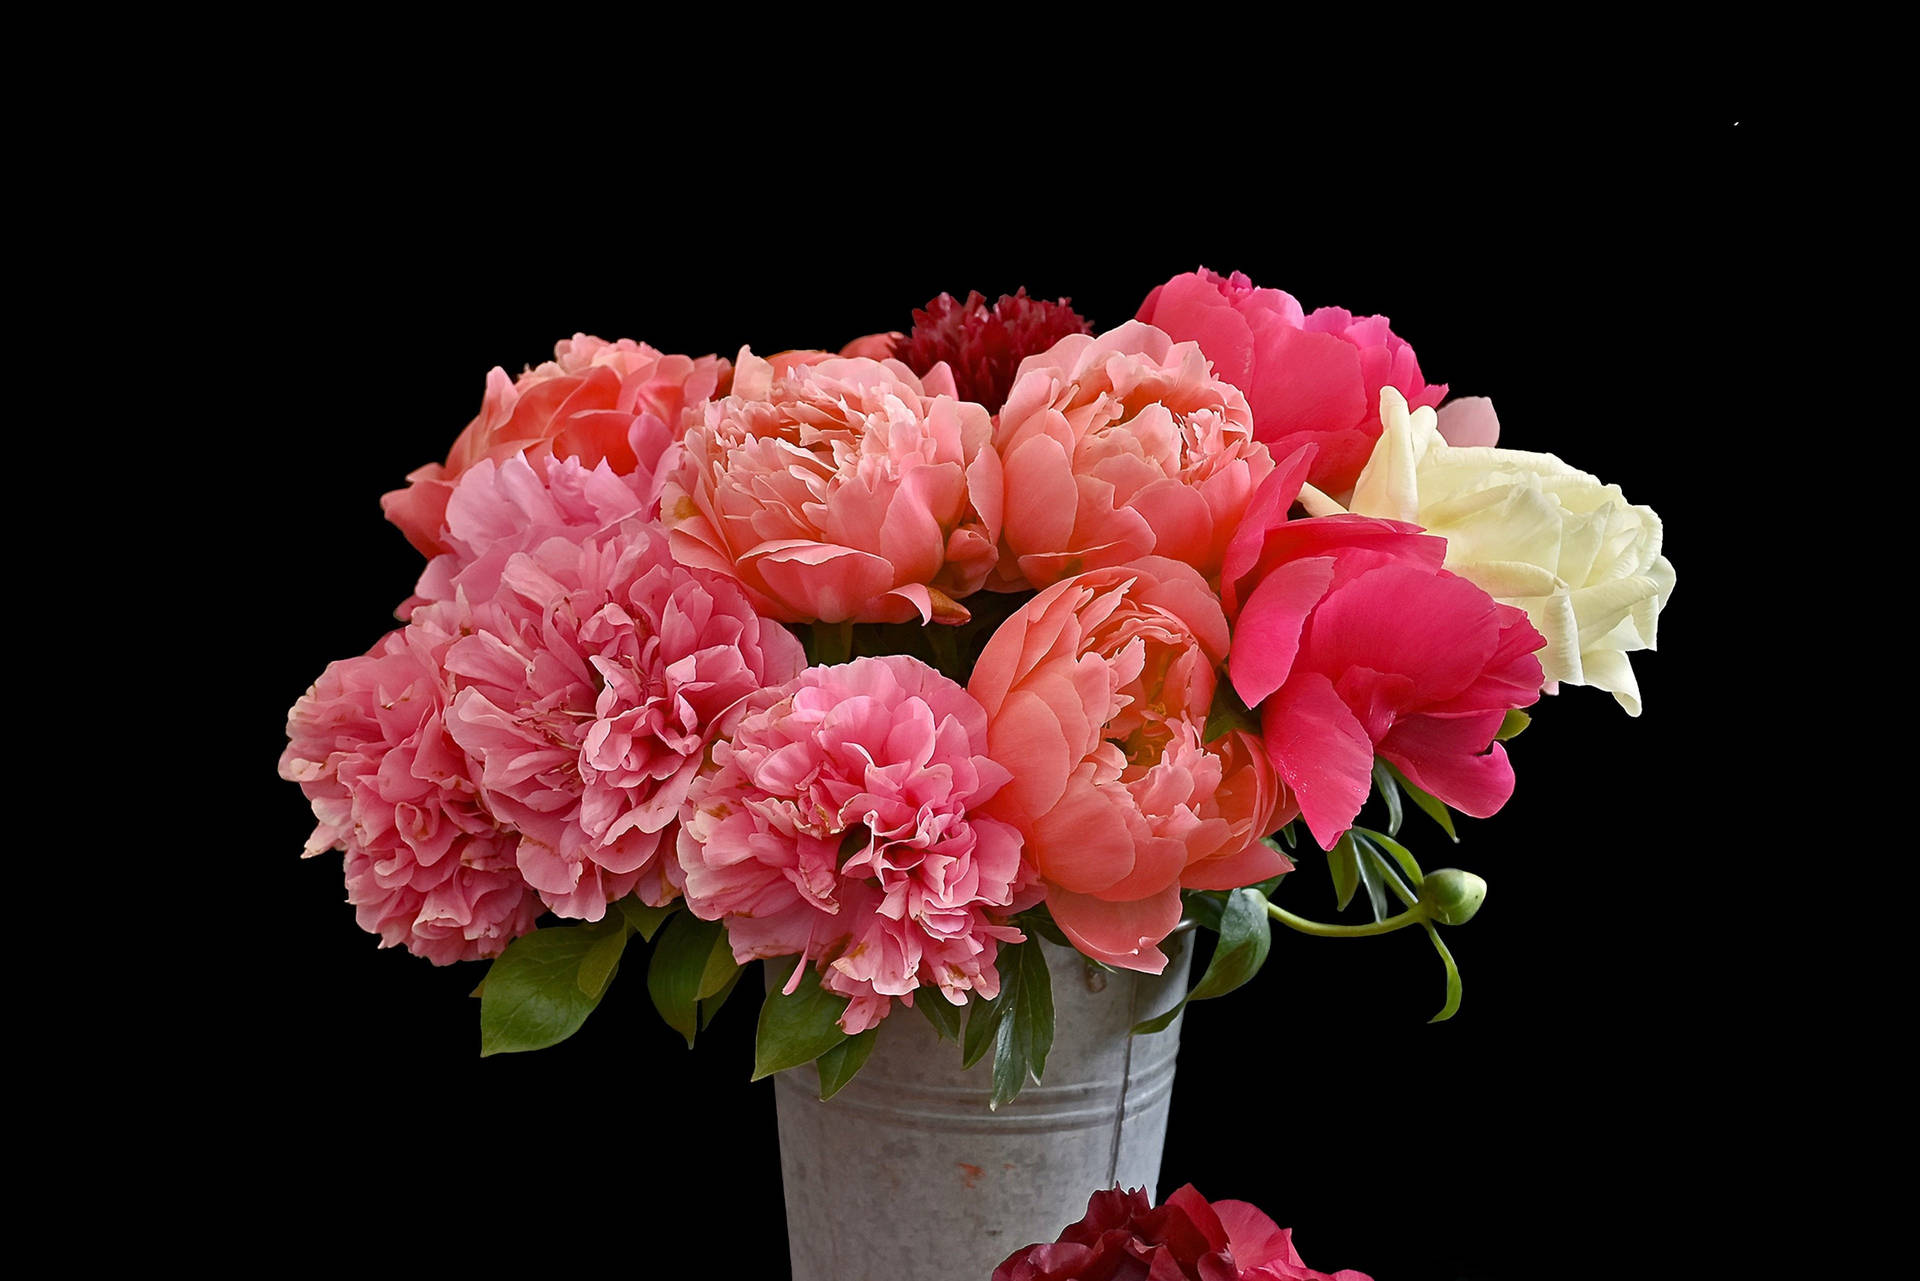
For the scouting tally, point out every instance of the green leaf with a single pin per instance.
(1037, 921)
(1383, 873)
(1287, 837)
(838, 1065)
(532, 995)
(1245, 936)
(1345, 866)
(1452, 1006)
(1367, 863)
(1515, 721)
(710, 1006)
(601, 960)
(643, 920)
(678, 976)
(722, 970)
(1401, 854)
(983, 1017)
(943, 1014)
(1430, 806)
(1390, 793)
(1228, 713)
(796, 1028)
(1268, 886)
(1204, 906)
(1023, 1035)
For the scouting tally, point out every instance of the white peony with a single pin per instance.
(1532, 532)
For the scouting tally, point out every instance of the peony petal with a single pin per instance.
(1124, 935)
(1321, 751)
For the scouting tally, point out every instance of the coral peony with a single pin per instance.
(984, 345)
(1097, 693)
(1311, 378)
(841, 822)
(1352, 641)
(1118, 447)
(428, 866)
(840, 489)
(589, 684)
(1124, 1237)
(622, 402)
(1583, 562)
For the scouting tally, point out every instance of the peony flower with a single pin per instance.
(1119, 447)
(839, 489)
(1124, 1237)
(428, 866)
(1534, 533)
(1097, 693)
(1352, 641)
(621, 402)
(984, 345)
(589, 684)
(1311, 378)
(841, 822)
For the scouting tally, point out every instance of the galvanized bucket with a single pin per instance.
(906, 1176)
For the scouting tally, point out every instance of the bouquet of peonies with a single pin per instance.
(882, 665)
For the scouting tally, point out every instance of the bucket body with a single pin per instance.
(905, 1175)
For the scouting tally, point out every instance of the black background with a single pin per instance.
(1575, 1086)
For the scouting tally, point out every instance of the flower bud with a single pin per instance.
(1452, 896)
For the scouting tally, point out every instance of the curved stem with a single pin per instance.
(1302, 924)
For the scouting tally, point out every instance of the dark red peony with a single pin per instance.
(984, 345)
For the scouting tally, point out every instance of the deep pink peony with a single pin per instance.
(984, 345)
(839, 489)
(590, 681)
(1123, 1237)
(1312, 379)
(1352, 642)
(621, 402)
(1097, 693)
(841, 822)
(1119, 447)
(428, 866)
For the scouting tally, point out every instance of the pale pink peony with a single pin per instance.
(1311, 378)
(621, 402)
(1466, 421)
(840, 489)
(590, 683)
(428, 866)
(1097, 693)
(841, 822)
(1351, 641)
(1118, 447)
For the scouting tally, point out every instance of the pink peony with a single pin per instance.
(1097, 693)
(1310, 378)
(841, 822)
(1124, 1237)
(1466, 421)
(839, 489)
(1119, 447)
(590, 682)
(428, 866)
(1263, 1251)
(984, 345)
(1352, 641)
(621, 402)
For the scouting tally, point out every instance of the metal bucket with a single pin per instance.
(906, 1176)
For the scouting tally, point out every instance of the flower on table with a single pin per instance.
(1124, 1237)
(841, 821)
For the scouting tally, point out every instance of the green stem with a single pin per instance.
(1302, 924)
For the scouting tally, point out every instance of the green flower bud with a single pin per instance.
(1452, 896)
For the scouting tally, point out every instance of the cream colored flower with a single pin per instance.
(1532, 532)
